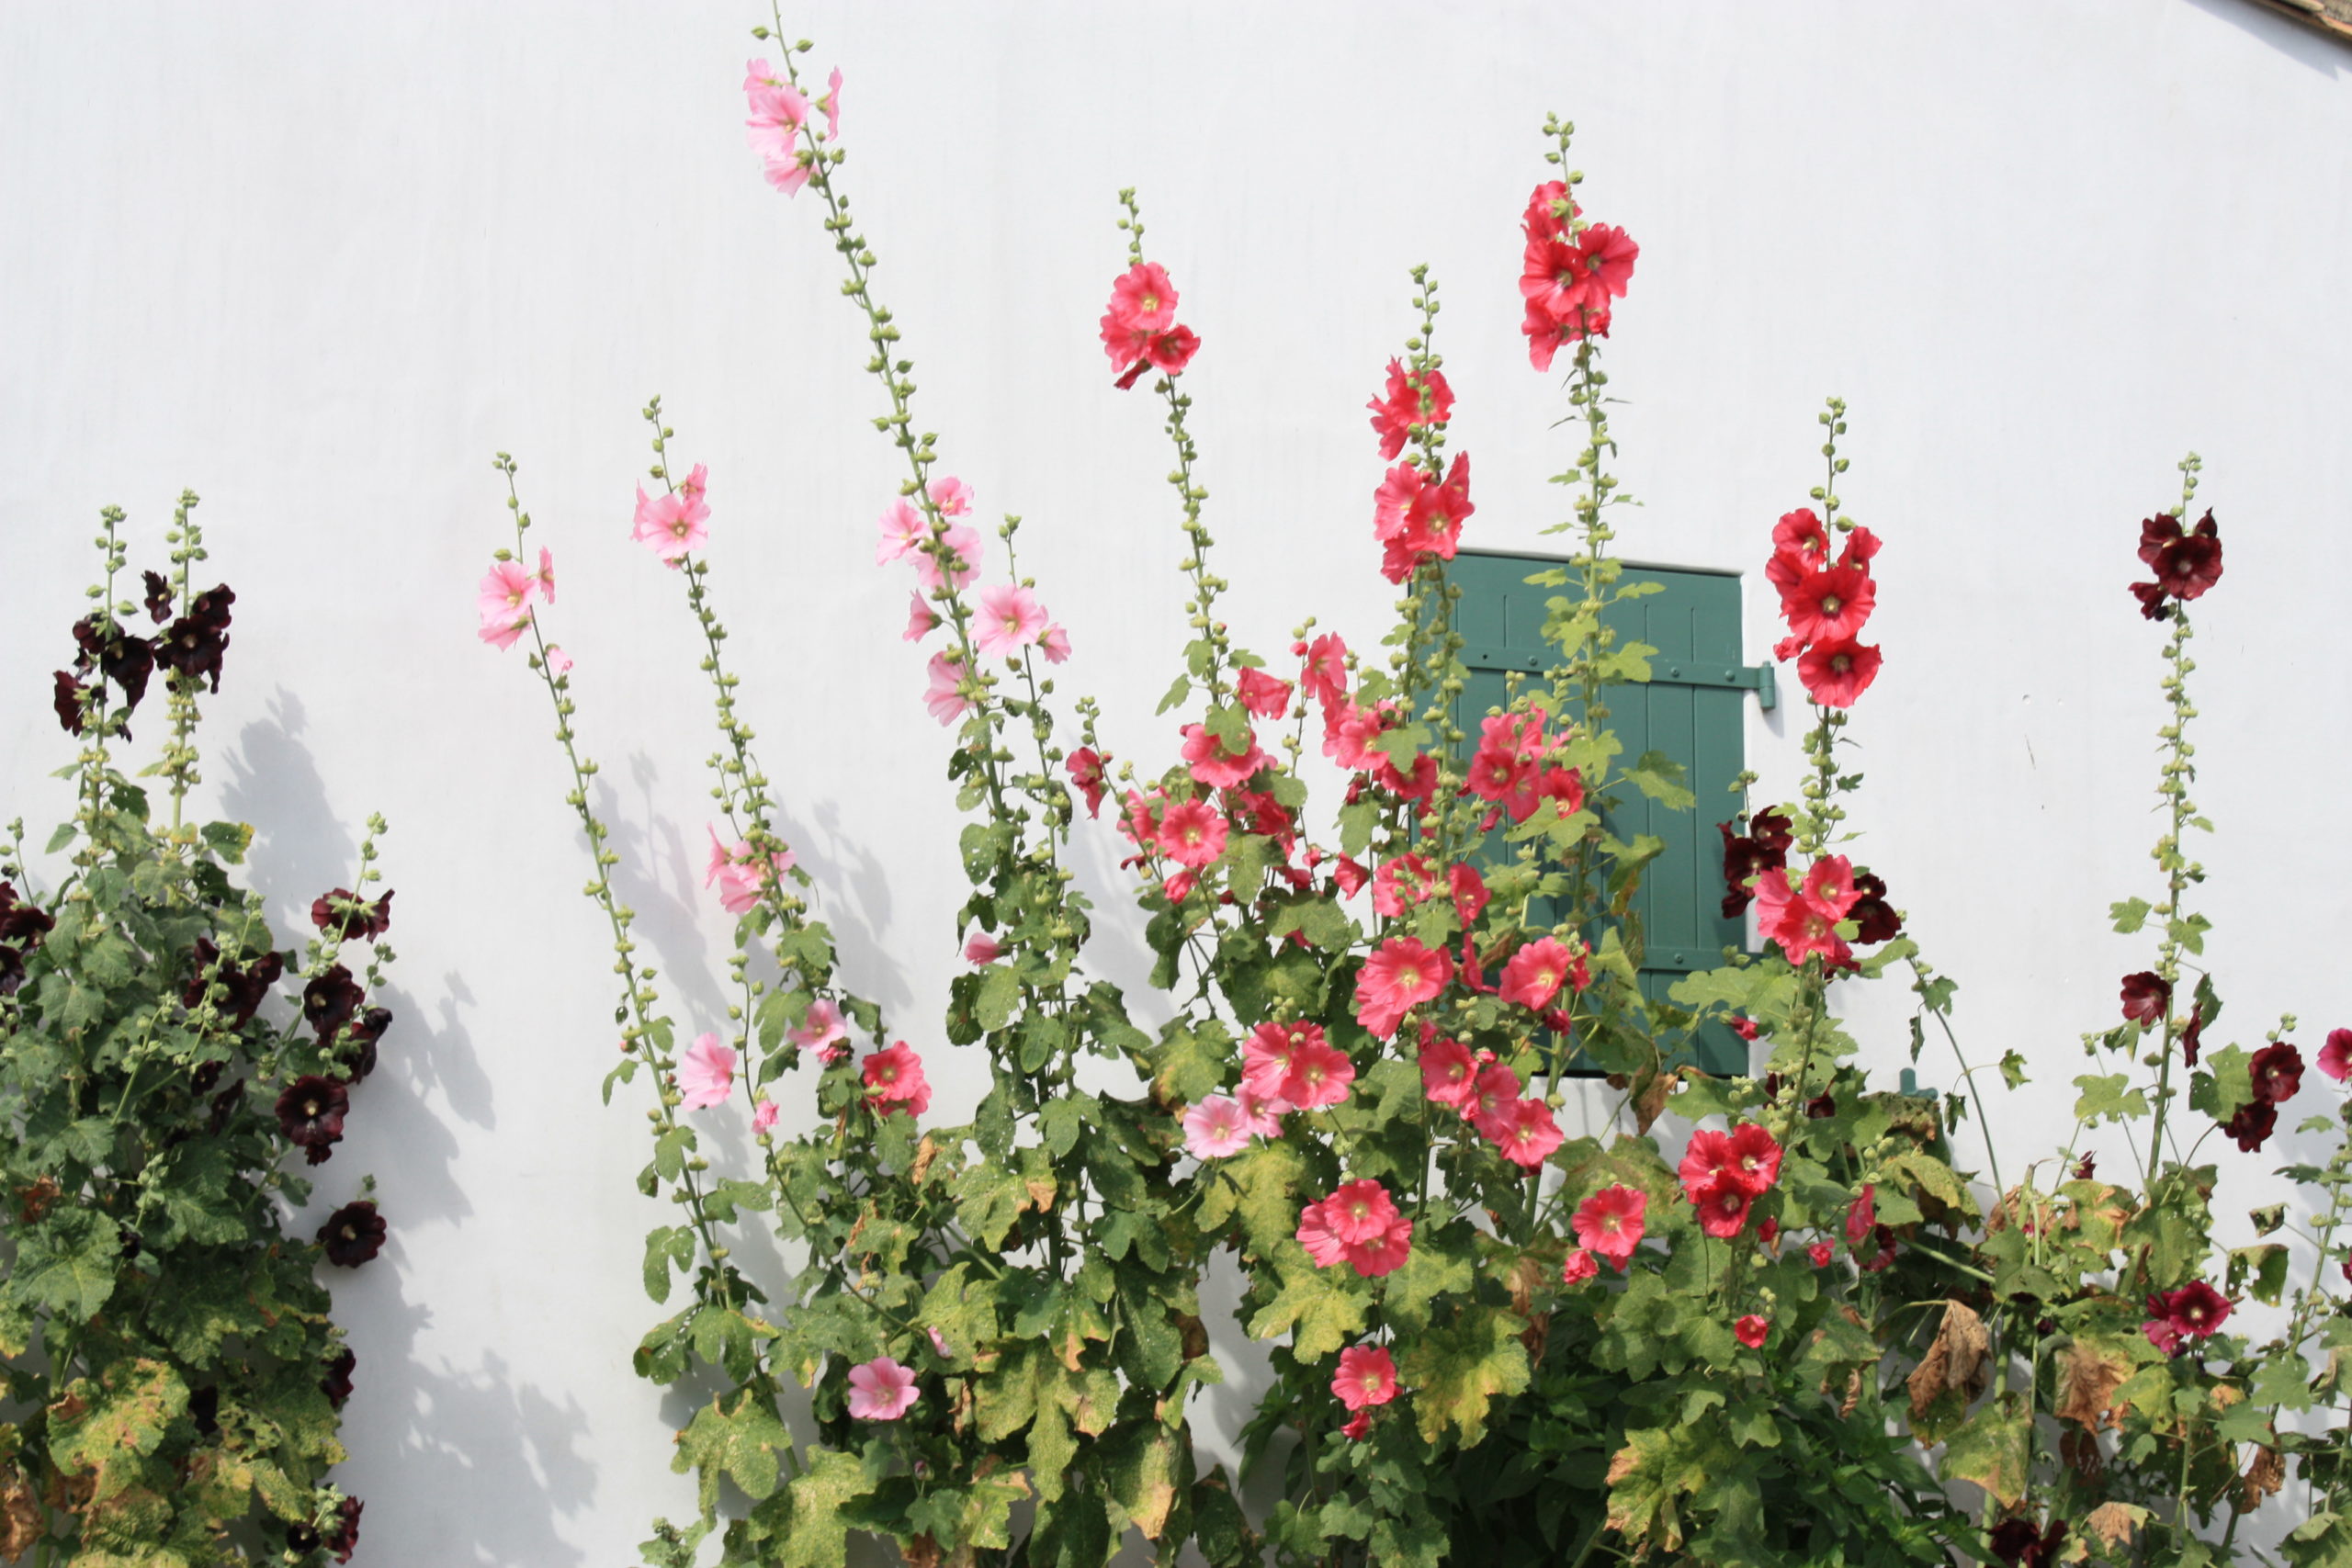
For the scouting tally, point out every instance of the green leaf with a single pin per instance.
(1321, 1309)
(1455, 1371)
(1660, 777)
(1000, 994)
(815, 1535)
(2013, 1071)
(2227, 1087)
(67, 1264)
(740, 1444)
(989, 1198)
(227, 840)
(2109, 1096)
(2190, 932)
(1992, 1449)
(1176, 693)
(1260, 1185)
(1439, 1261)
(2128, 915)
(63, 836)
(663, 1249)
(1189, 1062)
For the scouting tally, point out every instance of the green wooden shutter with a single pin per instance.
(1691, 709)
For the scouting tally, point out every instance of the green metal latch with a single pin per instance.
(1756, 678)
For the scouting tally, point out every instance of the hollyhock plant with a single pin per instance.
(1367, 1376)
(706, 1074)
(1609, 1223)
(881, 1390)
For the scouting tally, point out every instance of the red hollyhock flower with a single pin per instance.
(1449, 1071)
(1536, 972)
(159, 596)
(1722, 1212)
(1804, 921)
(1821, 1252)
(311, 1111)
(1085, 766)
(1861, 1214)
(1752, 1331)
(1578, 1268)
(1366, 1377)
(1262, 694)
(1801, 541)
(124, 660)
(1872, 913)
(345, 1539)
(67, 702)
(2016, 1543)
(1526, 1133)
(1837, 673)
(1610, 1222)
(1413, 398)
(2278, 1073)
(2336, 1056)
(1357, 1426)
(358, 920)
(246, 987)
(1550, 209)
(1357, 1224)
(2186, 563)
(2087, 1167)
(1829, 604)
(2196, 1311)
(1400, 973)
(1324, 673)
(1470, 896)
(1747, 1158)
(2252, 1125)
(895, 1079)
(1402, 881)
(2146, 997)
(352, 1235)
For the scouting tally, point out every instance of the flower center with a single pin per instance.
(1841, 663)
(1829, 603)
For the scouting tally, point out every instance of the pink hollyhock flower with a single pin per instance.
(1527, 1133)
(1215, 1128)
(1192, 833)
(903, 532)
(822, 1029)
(1085, 769)
(1491, 1098)
(2336, 1056)
(1359, 1224)
(1401, 882)
(1319, 1075)
(1010, 620)
(939, 1342)
(832, 105)
(1262, 1113)
(1449, 1071)
(545, 577)
(559, 662)
(1325, 674)
(1578, 1268)
(1366, 1377)
(1610, 1222)
(706, 1074)
(945, 699)
(2196, 1311)
(1535, 973)
(1837, 673)
(1469, 891)
(1213, 761)
(739, 875)
(961, 543)
(881, 1390)
(1143, 297)
(922, 620)
(1417, 397)
(982, 949)
(505, 603)
(1055, 640)
(1262, 694)
(1752, 1331)
(1861, 1214)
(1722, 1212)
(951, 495)
(895, 1079)
(1801, 926)
(1821, 1252)
(1349, 876)
(1830, 604)
(1400, 974)
(1348, 732)
(670, 526)
(763, 1116)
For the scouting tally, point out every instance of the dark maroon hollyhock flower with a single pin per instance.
(2089, 1166)
(1885, 1237)
(2016, 1542)
(207, 1078)
(193, 645)
(2186, 563)
(2193, 1312)
(2193, 1036)
(362, 922)
(225, 1104)
(2154, 605)
(301, 1540)
(12, 971)
(1764, 847)
(346, 1530)
(1822, 1106)
(352, 1235)
(159, 596)
(329, 1001)
(358, 1053)
(336, 1385)
(1876, 916)
(311, 1113)
(21, 923)
(246, 986)
(122, 658)
(68, 703)
(2145, 996)
(2252, 1124)
(2278, 1072)
(204, 1409)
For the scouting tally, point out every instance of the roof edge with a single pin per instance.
(2333, 17)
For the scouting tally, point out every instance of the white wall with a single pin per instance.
(318, 263)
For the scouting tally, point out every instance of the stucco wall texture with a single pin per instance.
(319, 263)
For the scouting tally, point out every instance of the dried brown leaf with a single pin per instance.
(2263, 1477)
(2116, 1523)
(22, 1521)
(1955, 1362)
(2088, 1375)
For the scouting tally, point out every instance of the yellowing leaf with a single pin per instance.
(1455, 1371)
